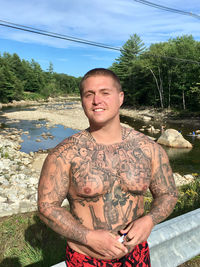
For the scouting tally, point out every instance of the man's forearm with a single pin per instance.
(62, 222)
(162, 207)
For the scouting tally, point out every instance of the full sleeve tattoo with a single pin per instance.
(162, 186)
(53, 188)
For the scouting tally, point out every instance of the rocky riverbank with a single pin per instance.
(19, 171)
(18, 179)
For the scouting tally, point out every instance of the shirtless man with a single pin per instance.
(106, 195)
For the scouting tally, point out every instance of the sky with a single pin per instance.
(110, 22)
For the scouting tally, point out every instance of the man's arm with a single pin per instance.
(164, 192)
(53, 188)
(162, 186)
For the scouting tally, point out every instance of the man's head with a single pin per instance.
(101, 97)
(100, 72)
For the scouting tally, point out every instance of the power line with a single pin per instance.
(174, 58)
(55, 35)
(78, 40)
(168, 9)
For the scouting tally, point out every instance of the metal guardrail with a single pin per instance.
(173, 242)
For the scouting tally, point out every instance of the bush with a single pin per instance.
(188, 199)
(32, 96)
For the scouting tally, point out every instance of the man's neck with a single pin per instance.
(107, 135)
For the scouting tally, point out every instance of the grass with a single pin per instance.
(192, 263)
(27, 241)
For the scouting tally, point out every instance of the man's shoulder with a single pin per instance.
(70, 143)
(137, 139)
(132, 134)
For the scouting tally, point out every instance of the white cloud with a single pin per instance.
(110, 22)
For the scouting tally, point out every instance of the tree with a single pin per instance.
(35, 79)
(172, 75)
(187, 52)
(11, 87)
(125, 65)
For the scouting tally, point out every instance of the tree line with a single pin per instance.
(165, 75)
(21, 79)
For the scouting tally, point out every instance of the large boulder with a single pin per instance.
(173, 138)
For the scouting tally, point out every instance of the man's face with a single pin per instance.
(101, 100)
(100, 155)
(83, 152)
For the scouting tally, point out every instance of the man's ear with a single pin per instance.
(121, 98)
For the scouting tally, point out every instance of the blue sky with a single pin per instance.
(105, 21)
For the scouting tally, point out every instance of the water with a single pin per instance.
(35, 129)
(56, 134)
(181, 160)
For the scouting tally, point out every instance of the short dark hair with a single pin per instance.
(100, 72)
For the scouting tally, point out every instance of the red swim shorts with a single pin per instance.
(138, 257)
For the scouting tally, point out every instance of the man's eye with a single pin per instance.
(88, 95)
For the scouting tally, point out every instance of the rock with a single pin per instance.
(31, 154)
(152, 130)
(173, 138)
(3, 199)
(146, 118)
(65, 203)
(18, 178)
(181, 180)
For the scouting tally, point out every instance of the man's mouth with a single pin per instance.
(98, 109)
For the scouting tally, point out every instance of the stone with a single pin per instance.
(173, 138)
(152, 130)
(146, 118)
(65, 202)
(3, 199)
(18, 179)
(181, 180)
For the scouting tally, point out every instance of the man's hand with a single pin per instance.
(137, 231)
(106, 244)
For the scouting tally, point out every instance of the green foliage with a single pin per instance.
(20, 79)
(32, 96)
(26, 241)
(128, 69)
(188, 199)
(10, 86)
(159, 76)
(4, 153)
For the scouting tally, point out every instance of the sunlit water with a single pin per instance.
(182, 160)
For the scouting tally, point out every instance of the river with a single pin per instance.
(182, 160)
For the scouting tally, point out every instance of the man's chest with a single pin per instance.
(99, 170)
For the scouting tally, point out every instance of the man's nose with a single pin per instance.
(96, 99)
